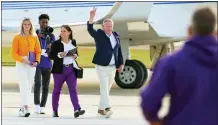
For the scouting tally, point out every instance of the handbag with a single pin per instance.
(78, 71)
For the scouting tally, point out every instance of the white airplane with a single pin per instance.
(158, 24)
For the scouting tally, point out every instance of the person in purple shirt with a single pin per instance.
(43, 70)
(189, 77)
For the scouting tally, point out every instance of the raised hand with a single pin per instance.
(92, 13)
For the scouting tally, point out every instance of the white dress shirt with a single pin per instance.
(68, 59)
(113, 44)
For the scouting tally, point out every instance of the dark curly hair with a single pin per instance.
(44, 16)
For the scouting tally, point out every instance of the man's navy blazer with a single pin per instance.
(104, 50)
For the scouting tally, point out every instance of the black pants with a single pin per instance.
(42, 77)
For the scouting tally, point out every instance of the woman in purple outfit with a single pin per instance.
(63, 69)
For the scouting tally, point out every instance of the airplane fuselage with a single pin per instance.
(164, 20)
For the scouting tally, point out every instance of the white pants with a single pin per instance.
(106, 76)
(25, 76)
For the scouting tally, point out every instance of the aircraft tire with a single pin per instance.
(131, 76)
(145, 74)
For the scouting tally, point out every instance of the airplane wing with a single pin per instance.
(121, 12)
(171, 19)
(165, 19)
(127, 12)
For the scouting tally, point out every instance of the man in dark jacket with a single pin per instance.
(189, 76)
(108, 58)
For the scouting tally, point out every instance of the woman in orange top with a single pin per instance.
(23, 44)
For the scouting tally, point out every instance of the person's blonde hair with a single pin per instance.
(32, 30)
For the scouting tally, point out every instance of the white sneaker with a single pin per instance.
(21, 112)
(24, 113)
(37, 109)
(42, 110)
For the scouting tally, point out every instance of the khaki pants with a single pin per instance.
(106, 76)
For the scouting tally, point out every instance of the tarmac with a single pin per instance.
(125, 104)
(126, 111)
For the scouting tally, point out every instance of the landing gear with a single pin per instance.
(133, 75)
(145, 75)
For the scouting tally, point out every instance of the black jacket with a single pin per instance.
(104, 50)
(57, 47)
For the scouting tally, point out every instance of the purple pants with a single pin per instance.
(69, 76)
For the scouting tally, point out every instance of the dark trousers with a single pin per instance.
(42, 77)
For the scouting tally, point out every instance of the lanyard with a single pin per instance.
(43, 45)
(41, 39)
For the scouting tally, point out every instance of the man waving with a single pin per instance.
(108, 58)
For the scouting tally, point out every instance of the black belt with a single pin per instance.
(67, 65)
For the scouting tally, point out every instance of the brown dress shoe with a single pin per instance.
(101, 112)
